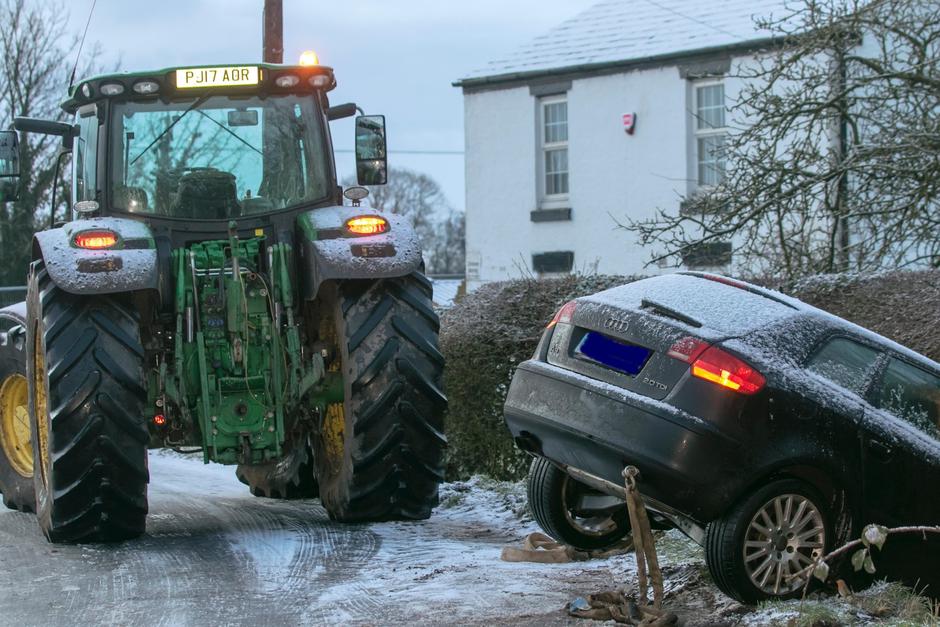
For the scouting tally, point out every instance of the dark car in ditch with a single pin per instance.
(765, 429)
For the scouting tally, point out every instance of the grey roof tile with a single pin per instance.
(626, 30)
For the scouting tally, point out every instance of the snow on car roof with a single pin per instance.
(734, 307)
(719, 306)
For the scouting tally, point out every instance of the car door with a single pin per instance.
(847, 368)
(901, 462)
(901, 456)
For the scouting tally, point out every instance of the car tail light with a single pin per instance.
(726, 370)
(687, 349)
(367, 225)
(96, 239)
(564, 315)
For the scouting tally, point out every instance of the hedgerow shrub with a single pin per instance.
(489, 332)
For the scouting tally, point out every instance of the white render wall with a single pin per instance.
(612, 174)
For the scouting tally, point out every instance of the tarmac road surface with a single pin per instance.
(215, 555)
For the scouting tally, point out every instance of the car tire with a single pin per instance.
(380, 454)
(16, 452)
(86, 396)
(550, 490)
(752, 549)
(290, 477)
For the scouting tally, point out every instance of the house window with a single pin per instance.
(710, 132)
(555, 147)
(554, 262)
(708, 255)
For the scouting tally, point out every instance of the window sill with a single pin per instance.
(560, 214)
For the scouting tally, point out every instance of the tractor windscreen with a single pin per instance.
(218, 157)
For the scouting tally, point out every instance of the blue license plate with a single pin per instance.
(626, 358)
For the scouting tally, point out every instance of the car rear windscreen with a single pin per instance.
(723, 308)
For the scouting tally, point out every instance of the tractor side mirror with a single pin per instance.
(9, 166)
(371, 153)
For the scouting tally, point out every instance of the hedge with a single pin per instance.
(487, 333)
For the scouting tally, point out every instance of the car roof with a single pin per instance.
(720, 306)
(831, 320)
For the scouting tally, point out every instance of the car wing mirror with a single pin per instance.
(371, 152)
(9, 166)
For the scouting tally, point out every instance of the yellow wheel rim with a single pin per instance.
(14, 424)
(334, 426)
(41, 405)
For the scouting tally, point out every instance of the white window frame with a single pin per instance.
(546, 200)
(704, 133)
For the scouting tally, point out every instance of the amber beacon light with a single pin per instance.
(309, 57)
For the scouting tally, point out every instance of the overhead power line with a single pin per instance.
(411, 152)
(692, 19)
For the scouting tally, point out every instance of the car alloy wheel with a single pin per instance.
(783, 538)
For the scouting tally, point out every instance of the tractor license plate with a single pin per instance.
(217, 77)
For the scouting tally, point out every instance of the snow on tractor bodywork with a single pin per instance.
(211, 291)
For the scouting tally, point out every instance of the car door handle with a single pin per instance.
(880, 451)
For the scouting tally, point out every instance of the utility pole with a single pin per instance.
(273, 37)
(843, 256)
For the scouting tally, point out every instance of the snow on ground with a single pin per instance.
(449, 567)
(215, 555)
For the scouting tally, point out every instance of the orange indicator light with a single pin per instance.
(367, 225)
(96, 239)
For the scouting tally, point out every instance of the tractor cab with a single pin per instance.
(206, 143)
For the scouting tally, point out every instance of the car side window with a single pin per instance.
(845, 363)
(911, 394)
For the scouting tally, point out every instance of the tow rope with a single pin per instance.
(540, 548)
(613, 605)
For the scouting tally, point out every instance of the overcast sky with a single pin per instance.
(397, 57)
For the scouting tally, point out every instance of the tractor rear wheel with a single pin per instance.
(379, 454)
(290, 477)
(85, 374)
(16, 449)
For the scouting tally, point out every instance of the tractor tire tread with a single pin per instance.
(394, 438)
(98, 439)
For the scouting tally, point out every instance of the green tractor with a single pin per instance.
(211, 293)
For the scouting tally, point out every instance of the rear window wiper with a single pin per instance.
(670, 313)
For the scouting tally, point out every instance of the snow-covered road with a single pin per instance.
(215, 555)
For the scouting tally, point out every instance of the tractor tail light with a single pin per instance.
(728, 371)
(159, 420)
(97, 239)
(564, 315)
(367, 225)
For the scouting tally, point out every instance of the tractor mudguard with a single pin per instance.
(331, 252)
(130, 265)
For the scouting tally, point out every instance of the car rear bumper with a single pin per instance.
(685, 462)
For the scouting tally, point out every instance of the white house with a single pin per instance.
(614, 113)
